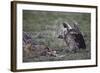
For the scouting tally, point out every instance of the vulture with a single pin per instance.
(73, 36)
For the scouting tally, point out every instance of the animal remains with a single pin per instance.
(32, 50)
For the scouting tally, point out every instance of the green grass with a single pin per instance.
(45, 26)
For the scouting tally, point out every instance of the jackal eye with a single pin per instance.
(60, 36)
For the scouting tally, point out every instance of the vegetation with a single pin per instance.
(44, 28)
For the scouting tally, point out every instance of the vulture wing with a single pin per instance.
(80, 40)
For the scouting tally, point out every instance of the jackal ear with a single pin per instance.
(66, 25)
